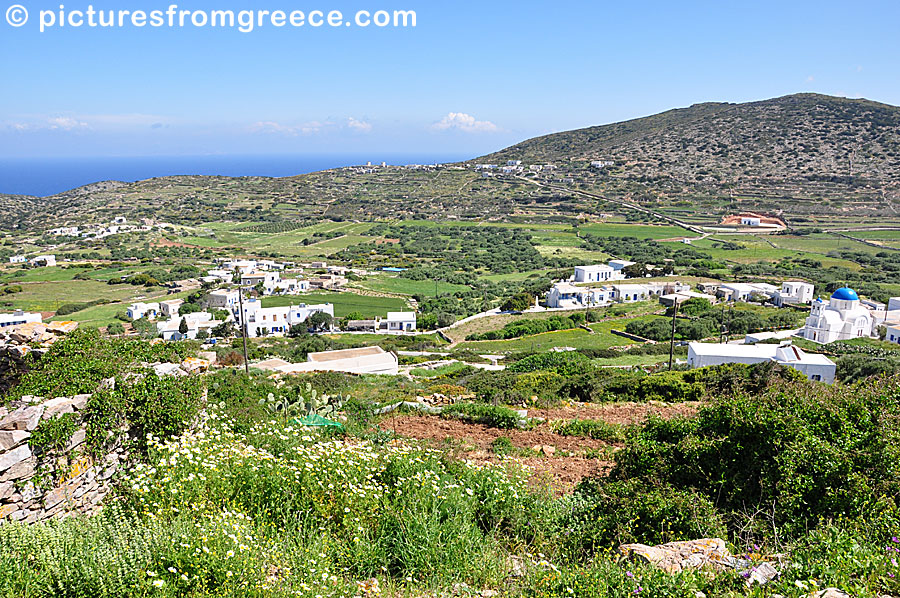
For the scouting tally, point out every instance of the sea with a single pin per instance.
(42, 177)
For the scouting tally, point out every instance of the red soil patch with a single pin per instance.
(561, 467)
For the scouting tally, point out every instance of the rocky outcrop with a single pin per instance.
(707, 553)
(36, 486)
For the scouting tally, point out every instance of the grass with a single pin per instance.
(344, 303)
(48, 296)
(487, 324)
(641, 231)
(602, 338)
(385, 283)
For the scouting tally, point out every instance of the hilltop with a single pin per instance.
(814, 159)
(796, 147)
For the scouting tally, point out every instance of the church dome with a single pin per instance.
(845, 294)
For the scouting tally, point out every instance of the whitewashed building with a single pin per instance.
(841, 318)
(814, 366)
(794, 292)
(170, 308)
(224, 299)
(139, 310)
(742, 291)
(170, 329)
(598, 273)
(398, 321)
(892, 334)
(565, 295)
(364, 360)
(277, 321)
(44, 261)
(19, 317)
(17, 259)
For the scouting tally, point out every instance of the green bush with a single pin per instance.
(149, 405)
(564, 363)
(52, 435)
(800, 451)
(81, 360)
(589, 428)
(602, 515)
(488, 415)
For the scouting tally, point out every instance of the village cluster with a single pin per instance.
(235, 293)
(843, 316)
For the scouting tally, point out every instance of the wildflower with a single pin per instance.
(158, 583)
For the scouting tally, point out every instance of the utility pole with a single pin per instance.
(722, 326)
(672, 340)
(243, 328)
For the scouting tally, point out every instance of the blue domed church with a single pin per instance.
(841, 318)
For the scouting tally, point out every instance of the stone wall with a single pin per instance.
(35, 486)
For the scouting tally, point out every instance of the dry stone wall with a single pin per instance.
(36, 486)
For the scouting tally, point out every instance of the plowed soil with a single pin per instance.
(558, 461)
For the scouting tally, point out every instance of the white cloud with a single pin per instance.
(359, 125)
(460, 121)
(66, 123)
(810, 79)
(275, 128)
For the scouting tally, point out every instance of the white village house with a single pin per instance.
(565, 295)
(892, 335)
(170, 308)
(363, 360)
(794, 292)
(224, 299)
(169, 329)
(814, 366)
(398, 321)
(44, 261)
(742, 291)
(598, 273)
(17, 259)
(19, 317)
(139, 310)
(277, 321)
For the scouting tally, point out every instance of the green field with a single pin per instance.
(385, 283)
(344, 303)
(641, 231)
(48, 296)
(602, 338)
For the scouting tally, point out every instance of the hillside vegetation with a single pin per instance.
(808, 157)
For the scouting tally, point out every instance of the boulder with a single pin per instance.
(829, 593)
(193, 364)
(675, 557)
(62, 327)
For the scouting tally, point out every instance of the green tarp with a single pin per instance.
(314, 419)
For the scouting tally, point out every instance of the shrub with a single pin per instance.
(589, 428)
(799, 450)
(564, 363)
(602, 514)
(52, 435)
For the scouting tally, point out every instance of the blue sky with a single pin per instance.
(472, 77)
